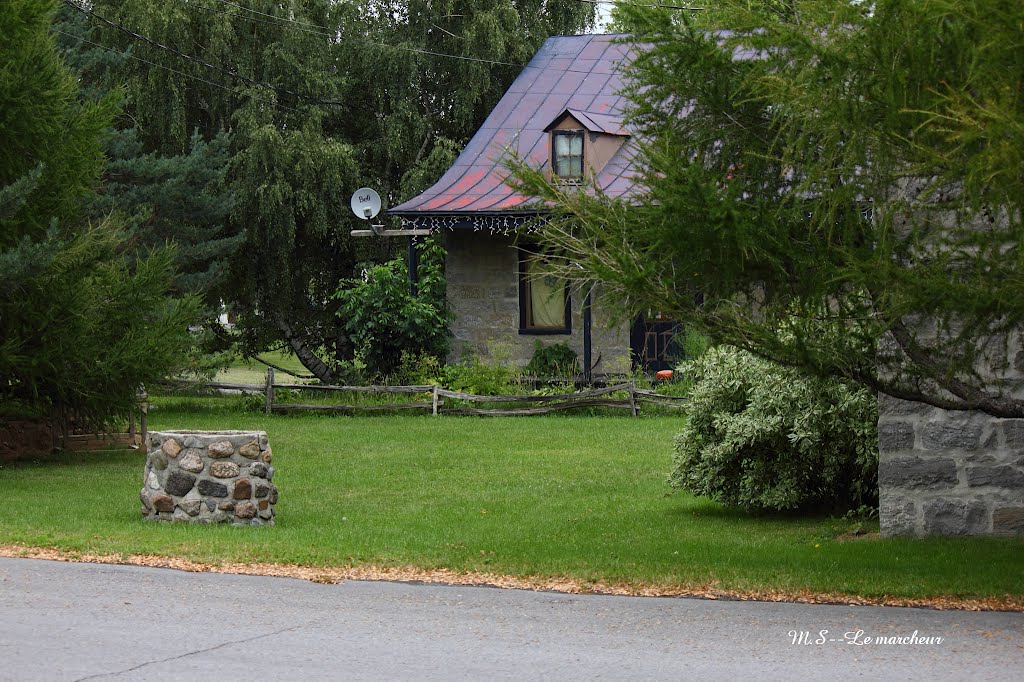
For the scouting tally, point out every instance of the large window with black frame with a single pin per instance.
(544, 304)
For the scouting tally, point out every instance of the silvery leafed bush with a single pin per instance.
(765, 437)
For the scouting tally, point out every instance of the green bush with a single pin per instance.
(695, 344)
(384, 320)
(765, 437)
(499, 376)
(556, 360)
(417, 369)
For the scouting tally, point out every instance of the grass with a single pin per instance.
(243, 371)
(559, 496)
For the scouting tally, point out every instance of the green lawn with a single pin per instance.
(244, 371)
(559, 496)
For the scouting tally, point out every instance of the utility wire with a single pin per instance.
(167, 68)
(644, 4)
(264, 14)
(323, 30)
(314, 31)
(227, 71)
(295, 25)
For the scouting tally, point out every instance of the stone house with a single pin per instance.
(562, 113)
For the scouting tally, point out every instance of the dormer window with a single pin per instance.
(567, 154)
(582, 144)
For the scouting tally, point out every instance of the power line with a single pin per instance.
(324, 30)
(312, 31)
(644, 4)
(296, 25)
(167, 68)
(227, 71)
(264, 14)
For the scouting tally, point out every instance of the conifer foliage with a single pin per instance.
(82, 323)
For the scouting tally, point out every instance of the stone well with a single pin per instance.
(209, 477)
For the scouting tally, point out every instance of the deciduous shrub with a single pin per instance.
(765, 437)
(384, 320)
(556, 360)
(695, 344)
(481, 378)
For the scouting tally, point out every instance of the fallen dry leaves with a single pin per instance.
(444, 576)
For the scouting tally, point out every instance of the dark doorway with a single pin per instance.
(654, 343)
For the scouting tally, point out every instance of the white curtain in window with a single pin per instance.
(562, 145)
(547, 296)
(576, 155)
(569, 155)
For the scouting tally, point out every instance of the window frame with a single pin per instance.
(570, 133)
(526, 253)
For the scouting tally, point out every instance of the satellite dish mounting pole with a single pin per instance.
(414, 264)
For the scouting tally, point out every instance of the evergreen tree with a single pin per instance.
(162, 198)
(81, 326)
(50, 144)
(180, 199)
(841, 181)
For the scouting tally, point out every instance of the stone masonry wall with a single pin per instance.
(944, 472)
(949, 473)
(483, 289)
(209, 477)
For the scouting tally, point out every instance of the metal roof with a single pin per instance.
(578, 74)
(610, 124)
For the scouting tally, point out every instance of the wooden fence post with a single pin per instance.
(435, 400)
(270, 390)
(142, 400)
(632, 399)
(144, 407)
(65, 429)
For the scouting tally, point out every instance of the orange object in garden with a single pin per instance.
(664, 375)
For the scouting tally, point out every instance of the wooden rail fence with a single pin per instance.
(439, 399)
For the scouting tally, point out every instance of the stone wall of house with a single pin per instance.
(483, 288)
(209, 477)
(943, 472)
(949, 472)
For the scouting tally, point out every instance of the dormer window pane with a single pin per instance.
(568, 153)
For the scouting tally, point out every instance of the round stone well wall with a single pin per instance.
(209, 477)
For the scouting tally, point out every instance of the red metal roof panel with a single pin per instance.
(567, 72)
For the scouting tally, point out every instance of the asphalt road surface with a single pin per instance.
(65, 621)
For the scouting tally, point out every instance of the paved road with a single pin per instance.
(61, 621)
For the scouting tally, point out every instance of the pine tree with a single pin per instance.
(180, 198)
(81, 326)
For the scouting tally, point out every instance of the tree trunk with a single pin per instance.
(343, 349)
(307, 357)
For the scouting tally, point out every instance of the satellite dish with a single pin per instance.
(366, 203)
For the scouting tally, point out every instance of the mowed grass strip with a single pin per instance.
(563, 496)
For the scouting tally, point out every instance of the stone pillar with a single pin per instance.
(209, 477)
(948, 473)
